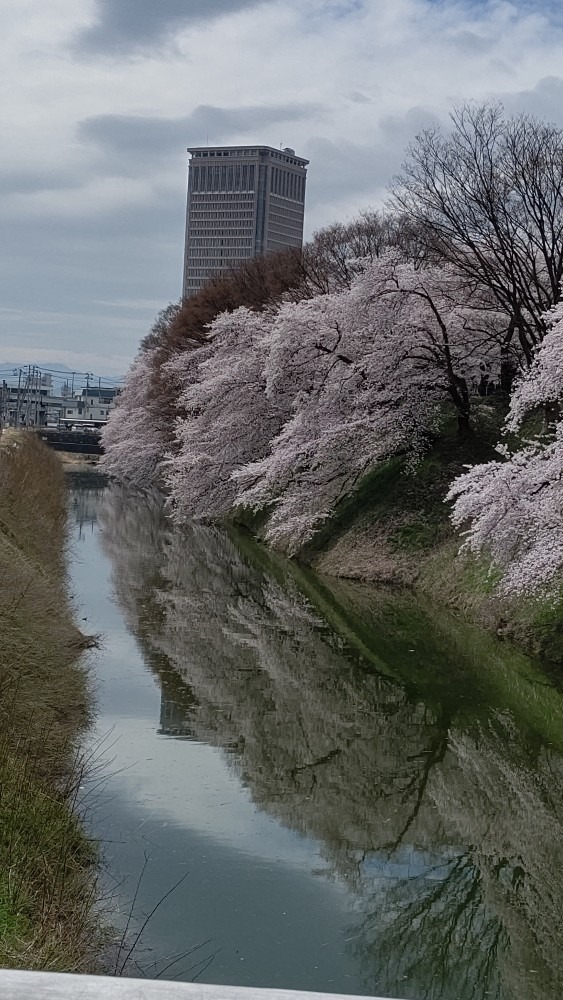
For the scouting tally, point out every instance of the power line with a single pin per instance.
(104, 381)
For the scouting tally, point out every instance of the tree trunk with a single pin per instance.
(551, 415)
(507, 372)
(463, 423)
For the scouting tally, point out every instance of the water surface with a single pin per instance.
(358, 793)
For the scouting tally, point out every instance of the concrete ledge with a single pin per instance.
(16, 985)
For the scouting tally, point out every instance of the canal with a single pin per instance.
(308, 784)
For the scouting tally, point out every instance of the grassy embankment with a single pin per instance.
(395, 530)
(47, 874)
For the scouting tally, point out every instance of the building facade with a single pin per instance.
(97, 403)
(34, 404)
(242, 201)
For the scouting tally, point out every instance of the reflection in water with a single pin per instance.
(86, 491)
(440, 812)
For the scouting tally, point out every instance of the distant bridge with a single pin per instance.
(85, 441)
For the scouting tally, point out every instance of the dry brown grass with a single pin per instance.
(46, 880)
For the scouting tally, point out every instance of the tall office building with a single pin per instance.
(242, 201)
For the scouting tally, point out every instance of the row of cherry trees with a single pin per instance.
(279, 387)
(285, 409)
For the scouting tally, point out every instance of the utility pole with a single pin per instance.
(29, 400)
(87, 407)
(37, 394)
(30, 395)
(17, 417)
(27, 395)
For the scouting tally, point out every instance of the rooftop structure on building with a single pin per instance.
(242, 201)
(102, 393)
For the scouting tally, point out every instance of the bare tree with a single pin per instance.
(488, 199)
(332, 258)
(261, 282)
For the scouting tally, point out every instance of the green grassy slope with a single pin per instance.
(395, 530)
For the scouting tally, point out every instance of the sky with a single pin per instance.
(100, 99)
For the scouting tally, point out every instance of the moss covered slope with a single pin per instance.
(395, 530)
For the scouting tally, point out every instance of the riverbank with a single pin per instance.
(47, 880)
(395, 531)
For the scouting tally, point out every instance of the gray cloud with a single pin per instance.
(131, 255)
(343, 179)
(545, 100)
(471, 43)
(33, 181)
(134, 140)
(119, 251)
(127, 25)
(350, 172)
(399, 130)
(358, 97)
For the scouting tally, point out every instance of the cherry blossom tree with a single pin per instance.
(453, 326)
(373, 366)
(136, 434)
(229, 420)
(141, 428)
(512, 509)
(542, 385)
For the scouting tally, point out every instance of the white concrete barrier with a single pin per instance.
(15, 985)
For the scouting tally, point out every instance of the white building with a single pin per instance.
(97, 403)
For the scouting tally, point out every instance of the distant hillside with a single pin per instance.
(14, 365)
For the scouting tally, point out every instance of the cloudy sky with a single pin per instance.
(101, 97)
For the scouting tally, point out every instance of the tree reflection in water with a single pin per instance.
(443, 815)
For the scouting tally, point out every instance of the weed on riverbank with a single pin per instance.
(395, 530)
(47, 880)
